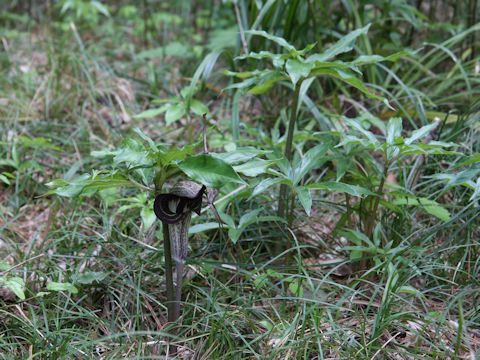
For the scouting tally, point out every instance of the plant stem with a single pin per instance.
(283, 195)
(373, 212)
(169, 273)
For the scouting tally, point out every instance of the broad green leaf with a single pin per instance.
(198, 228)
(239, 155)
(86, 184)
(107, 182)
(57, 286)
(297, 69)
(248, 218)
(305, 198)
(266, 82)
(187, 92)
(349, 78)
(277, 59)
(209, 171)
(295, 286)
(174, 112)
(280, 41)
(358, 238)
(4, 266)
(344, 45)
(421, 133)
(253, 167)
(4, 179)
(90, 277)
(259, 282)
(15, 284)
(430, 206)
(394, 130)
(132, 157)
(372, 139)
(198, 107)
(227, 219)
(267, 183)
(38, 143)
(150, 113)
(234, 234)
(243, 84)
(312, 159)
(102, 9)
(70, 188)
(174, 154)
(373, 59)
(353, 190)
(146, 138)
(148, 217)
(303, 98)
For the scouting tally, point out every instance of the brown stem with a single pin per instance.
(167, 248)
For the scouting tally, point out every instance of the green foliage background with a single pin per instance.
(343, 140)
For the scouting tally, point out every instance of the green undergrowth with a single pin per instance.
(376, 252)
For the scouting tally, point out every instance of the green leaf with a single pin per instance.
(373, 59)
(198, 228)
(253, 167)
(421, 133)
(280, 41)
(57, 286)
(266, 183)
(148, 217)
(260, 280)
(198, 107)
(69, 189)
(234, 234)
(38, 143)
(266, 82)
(86, 184)
(146, 138)
(4, 179)
(394, 131)
(372, 139)
(173, 49)
(344, 45)
(296, 287)
(4, 266)
(15, 284)
(430, 206)
(305, 198)
(90, 277)
(239, 155)
(349, 78)
(410, 290)
(248, 218)
(174, 112)
(102, 9)
(209, 171)
(312, 159)
(297, 69)
(353, 190)
(150, 113)
(132, 158)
